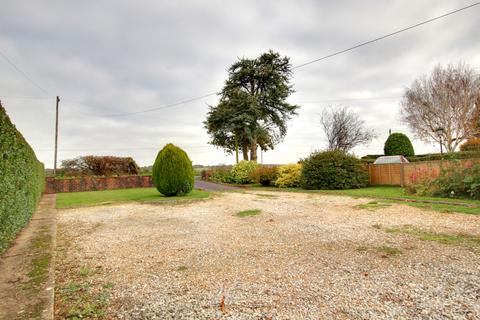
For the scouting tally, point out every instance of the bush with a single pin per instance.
(22, 180)
(206, 174)
(398, 144)
(289, 175)
(459, 182)
(172, 172)
(471, 145)
(445, 156)
(431, 156)
(422, 183)
(265, 175)
(222, 174)
(99, 166)
(333, 170)
(242, 171)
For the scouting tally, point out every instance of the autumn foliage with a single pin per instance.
(99, 166)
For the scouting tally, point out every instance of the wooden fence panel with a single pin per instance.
(386, 174)
(404, 173)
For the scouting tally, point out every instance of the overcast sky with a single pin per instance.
(109, 57)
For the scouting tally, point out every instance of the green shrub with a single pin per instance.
(206, 174)
(458, 182)
(22, 180)
(265, 175)
(241, 172)
(172, 172)
(423, 182)
(333, 170)
(398, 144)
(431, 156)
(471, 145)
(99, 166)
(445, 156)
(222, 174)
(289, 175)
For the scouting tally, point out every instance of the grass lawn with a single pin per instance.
(77, 199)
(248, 213)
(393, 193)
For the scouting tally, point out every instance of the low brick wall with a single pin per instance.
(53, 185)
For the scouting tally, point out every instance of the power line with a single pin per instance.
(315, 60)
(386, 36)
(121, 149)
(163, 107)
(352, 99)
(211, 94)
(16, 97)
(22, 72)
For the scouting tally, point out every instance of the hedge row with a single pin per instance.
(431, 156)
(98, 166)
(333, 170)
(22, 180)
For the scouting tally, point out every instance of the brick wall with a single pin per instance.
(53, 185)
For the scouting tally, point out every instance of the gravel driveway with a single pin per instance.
(306, 256)
(210, 186)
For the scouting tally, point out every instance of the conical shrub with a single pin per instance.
(172, 172)
(398, 144)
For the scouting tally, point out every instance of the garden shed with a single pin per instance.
(391, 159)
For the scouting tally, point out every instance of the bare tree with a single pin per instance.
(444, 107)
(344, 129)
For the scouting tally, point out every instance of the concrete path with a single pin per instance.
(210, 186)
(26, 268)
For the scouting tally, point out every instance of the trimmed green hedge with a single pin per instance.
(172, 172)
(22, 180)
(431, 156)
(446, 156)
(398, 144)
(333, 170)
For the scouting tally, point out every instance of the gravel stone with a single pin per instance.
(306, 256)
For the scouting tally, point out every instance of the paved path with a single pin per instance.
(26, 272)
(210, 186)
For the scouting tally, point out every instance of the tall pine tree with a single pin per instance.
(253, 111)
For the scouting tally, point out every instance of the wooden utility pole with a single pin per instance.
(56, 138)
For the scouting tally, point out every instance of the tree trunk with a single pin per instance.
(253, 150)
(236, 150)
(245, 151)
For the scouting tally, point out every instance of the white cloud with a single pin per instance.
(112, 57)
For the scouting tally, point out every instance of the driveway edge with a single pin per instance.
(27, 275)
